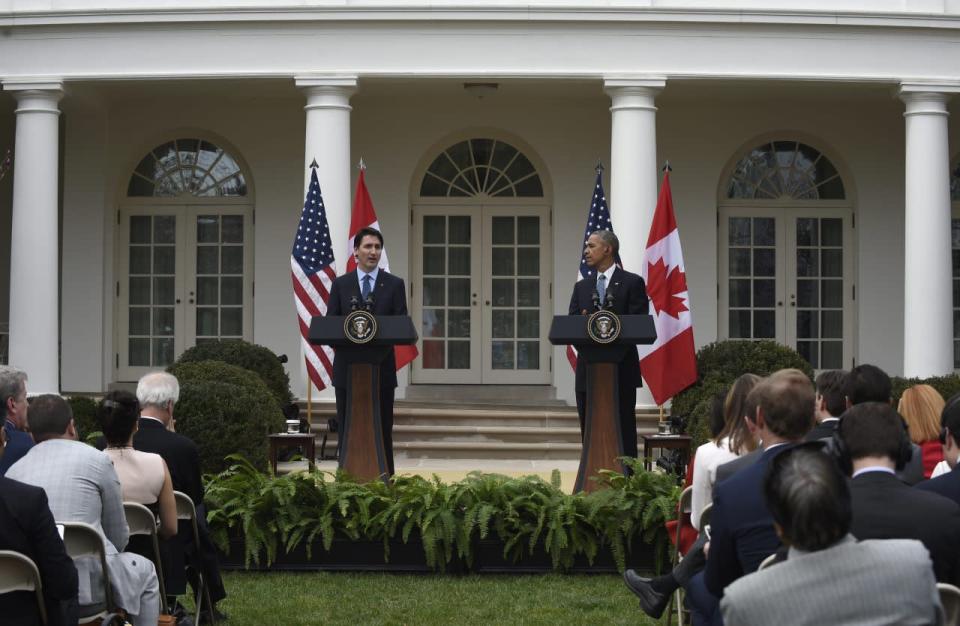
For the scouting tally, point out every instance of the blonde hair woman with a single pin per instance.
(921, 406)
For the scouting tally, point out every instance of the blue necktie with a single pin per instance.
(366, 287)
(601, 286)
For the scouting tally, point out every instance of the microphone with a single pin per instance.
(368, 303)
(354, 303)
(596, 300)
(609, 302)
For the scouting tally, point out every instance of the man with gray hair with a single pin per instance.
(158, 393)
(13, 398)
(624, 293)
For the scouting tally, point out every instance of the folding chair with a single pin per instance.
(142, 521)
(683, 509)
(19, 573)
(767, 562)
(186, 511)
(950, 599)
(705, 516)
(83, 540)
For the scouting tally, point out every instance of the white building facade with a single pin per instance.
(160, 156)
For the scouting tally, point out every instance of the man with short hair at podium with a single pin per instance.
(369, 287)
(624, 293)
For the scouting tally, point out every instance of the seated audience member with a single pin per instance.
(921, 406)
(948, 484)
(730, 439)
(144, 477)
(82, 486)
(13, 403)
(829, 577)
(728, 469)
(872, 442)
(830, 403)
(27, 527)
(158, 393)
(743, 533)
(869, 383)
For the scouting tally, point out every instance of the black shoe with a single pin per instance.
(652, 602)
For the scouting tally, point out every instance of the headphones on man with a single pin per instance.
(837, 448)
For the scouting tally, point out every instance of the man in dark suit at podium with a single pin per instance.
(624, 293)
(385, 294)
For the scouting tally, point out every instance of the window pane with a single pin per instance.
(502, 230)
(139, 320)
(739, 262)
(832, 292)
(458, 292)
(164, 260)
(807, 263)
(739, 231)
(528, 355)
(163, 321)
(163, 290)
(807, 293)
(528, 230)
(503, 324)
(503, 291)
(502, 355)
(164, 229)
(459, 261)
(831, 355)
(139, 291)
(831, 262)
(434, 228)
(139, 352)
(503, 262)
(807, 232)
(231, 290)
(433, 261)
(764, 231)
(232, 229)
(528, 292)
(764, 262)
(740, 293)
(231, 322)
(139, 259)
(458, 355)
(208, 229)
(231, 259)
(163, 351)
(458, 323)
(807, 324)
(528, 261)
(207, 261)
(433, 357)
(207, 288)
(764, 325)
(459, 229)
(433, 322)
(739, 324)
(832, 324)
(763, 293)
(140, 229)
(433, 289)
(831, 234)
(207, 321)
(528, 324)
(808, 350)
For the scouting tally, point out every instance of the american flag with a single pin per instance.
(598, 218)
(313, 268)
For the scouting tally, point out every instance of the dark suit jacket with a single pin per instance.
(728, 469)
(27, 526)
(629, 298)
(389, 298)
(18, 444)
(886, 508)
(742, 527)
(946, 485)
(180, 453)
(823, 430)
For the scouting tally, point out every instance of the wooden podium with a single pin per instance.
(361, 438)
(602, 438)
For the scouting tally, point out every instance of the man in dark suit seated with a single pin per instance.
(388, 296)
(869, 383)
(829, 578)
(627, 295)
(13, 403)
(873, 442)
(948, 485)
(742, 528)
(158, 393)
(27, 527)
(830, 403)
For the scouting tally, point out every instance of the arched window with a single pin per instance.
(785, 169)
(192, 167)
(481, 167)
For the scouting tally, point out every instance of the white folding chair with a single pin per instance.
(142, 521)
(82, 540)
(18, 572)
(705, 516)
(950, 599)
(686, 500)
(186, 511)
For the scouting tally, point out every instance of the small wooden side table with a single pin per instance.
(665, 442)
(279, 441)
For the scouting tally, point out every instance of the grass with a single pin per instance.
(370, 598)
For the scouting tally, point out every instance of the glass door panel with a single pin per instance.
(516, 295)
(446, 296)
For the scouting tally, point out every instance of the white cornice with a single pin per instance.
(521, 13)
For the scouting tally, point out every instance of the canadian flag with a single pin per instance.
(669, 365)
(364, 216)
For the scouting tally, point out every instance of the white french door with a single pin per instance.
(787, 275)
(184, 276)
(481, 294)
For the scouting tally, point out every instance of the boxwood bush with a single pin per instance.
(948, 386)
(722, 362)
(85, 416)
(224, 419)
(258, 359)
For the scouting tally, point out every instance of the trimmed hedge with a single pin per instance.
(85, 416)
(224, 419)
(257, 359)
(722, 362)
(217, 371)
(948, 386)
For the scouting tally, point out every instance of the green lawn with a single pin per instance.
(368, 598)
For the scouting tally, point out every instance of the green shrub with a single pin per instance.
(258, 359)
(224, 419)
(217, 371)
(84, 415)
(948, 386)
(721, 363)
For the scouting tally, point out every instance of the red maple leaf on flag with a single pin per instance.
(663, 288)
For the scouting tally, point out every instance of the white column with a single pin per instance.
(633, 162)
(328, 141)
(34, 275)
(928, 292)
